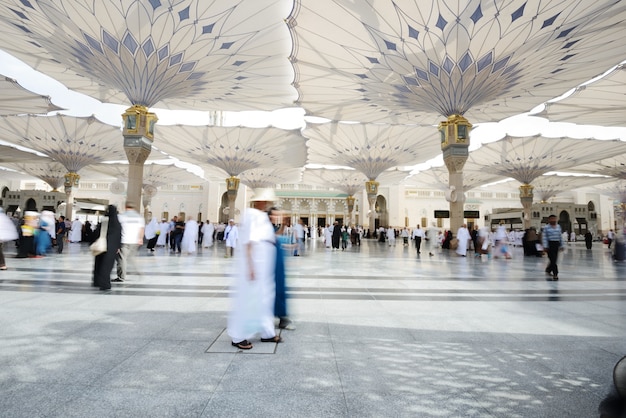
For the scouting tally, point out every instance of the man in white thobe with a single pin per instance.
(76, 234)
(464, 237)
(208, 229)
(252, 310)
(164, 229)
(231, 234)
(189, 243)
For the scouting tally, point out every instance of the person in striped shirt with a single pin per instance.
(552, 240)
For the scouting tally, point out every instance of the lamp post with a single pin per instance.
(371, 187)
(232, 186)
(455, 146)
(138, 135)
(526, 196)
(71, 180)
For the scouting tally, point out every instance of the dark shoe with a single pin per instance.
(555, 278)
(242, 345)
(275, 339)
(118, 280)
(105, 288)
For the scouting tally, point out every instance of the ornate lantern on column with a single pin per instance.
(455, 141)
(232, 186)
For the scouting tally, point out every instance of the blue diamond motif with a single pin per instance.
(570, 44)
(130, 43)
(24, 28)
(195, 76)
(27, 4)
(110, 41)
(184, 14)
(208, 28)
(484, 61)
(186, 67)
(93, 43)
(433, 68)
(565, 32)
(413, 33)
(500, 64)
(411, 81)
(155, 3)
(163, 52)
(390, 45)
(148, 47)
(227, 45)
(550, 21)
(518, 13)
(238, 63)
(373, 60)
(175, 59)
(20, 14)
(477, 14)
(448, 65)
(441, 22)
(421, 74)
(465, 62)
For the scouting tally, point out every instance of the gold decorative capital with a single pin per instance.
(454, 131)
(70, 180)
(526, 190)
(371, 187)
(138, 121)
(232, 184)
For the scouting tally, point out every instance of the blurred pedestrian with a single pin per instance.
(254, 291)
(103, 263)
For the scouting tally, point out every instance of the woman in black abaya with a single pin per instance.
(104, 262)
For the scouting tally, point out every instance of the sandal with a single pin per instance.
(275, 339)
(242, 345)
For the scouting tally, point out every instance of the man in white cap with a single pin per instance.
(252, 309)
(231, 234)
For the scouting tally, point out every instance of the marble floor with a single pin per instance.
(381, 332)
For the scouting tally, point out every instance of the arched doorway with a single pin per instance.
(565, 222)
(31, 204)
(381, 212)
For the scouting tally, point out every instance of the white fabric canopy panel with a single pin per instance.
(16, 100)
(75, 142)
(602, 102)
(257, 178)
(370, 148)
(412, 62)
(612, 166)
(49, 171)
(526, 158)
(233, 149)
(548, 186)
(9, 154)
(616, 190)
(438, 178)
(189, 54)
(349, 181)
(155, 175)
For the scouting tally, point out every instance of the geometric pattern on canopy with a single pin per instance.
(16, 100)
(348, 181)
(188, 54)
(437, 178)
(51, 172)
(370, 148)
(269, 177)
(546, 187)
(75, 142)
(612, 166)
(233, 149)
(413, 61)
(615, 189)
(153, 174)
(528, 157)
(602, 102)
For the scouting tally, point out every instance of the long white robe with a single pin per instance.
(252, 310)
(233, 236)
(151, 228)
(76, 234)
(328, 237)
(463, 236)
(189, 243)
(208, 229)
(164, 228)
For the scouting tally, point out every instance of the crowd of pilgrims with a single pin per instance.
(38, 235)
